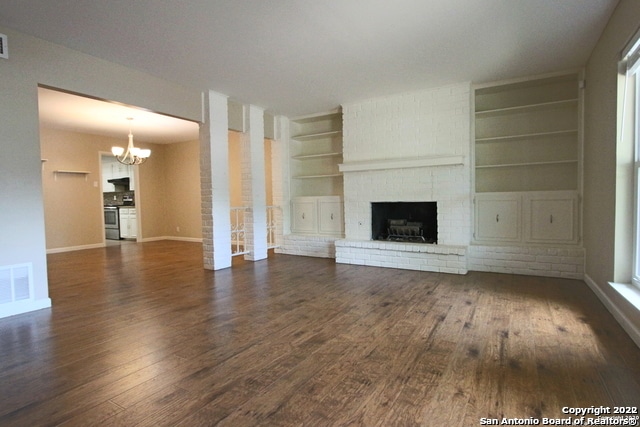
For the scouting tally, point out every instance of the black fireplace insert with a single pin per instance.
(415, 222)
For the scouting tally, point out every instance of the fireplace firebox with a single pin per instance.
(415, 222)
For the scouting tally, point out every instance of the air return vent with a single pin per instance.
(4, 49)
(16, 283)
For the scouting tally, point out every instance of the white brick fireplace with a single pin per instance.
(408, 148)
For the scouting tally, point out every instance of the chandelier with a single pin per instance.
(133, 155)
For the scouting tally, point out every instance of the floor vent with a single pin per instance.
(16, 283)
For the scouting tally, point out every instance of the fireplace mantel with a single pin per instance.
(403, 163)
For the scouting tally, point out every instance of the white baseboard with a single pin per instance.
(185, 239)
(181, 239)
(20, 307)
(102, 245)
(75, 248)
(622, 319)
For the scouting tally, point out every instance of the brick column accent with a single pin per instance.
(280, 176)
(214, 183)
(254, 192)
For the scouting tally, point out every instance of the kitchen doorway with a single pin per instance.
(121, 212)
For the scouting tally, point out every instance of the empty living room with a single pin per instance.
(413, 213)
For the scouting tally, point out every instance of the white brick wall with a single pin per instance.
(315, 246)
(408, 256)
(534, 261)
(430, 123)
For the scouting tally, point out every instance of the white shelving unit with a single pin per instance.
(316, 182)
(315, 152)
(528, 150)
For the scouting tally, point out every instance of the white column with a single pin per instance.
(280, 176)
(214, 182)
(254, 190)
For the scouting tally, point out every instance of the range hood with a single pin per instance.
(121, 184)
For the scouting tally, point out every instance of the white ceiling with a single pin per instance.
(62, 110)
(296, 57)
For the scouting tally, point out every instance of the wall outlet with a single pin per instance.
(178, 229)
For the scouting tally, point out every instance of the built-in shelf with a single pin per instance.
(527, 135)
(331, 175)
(527, 108)
(315, 156)
(315, 150)
(317, 135)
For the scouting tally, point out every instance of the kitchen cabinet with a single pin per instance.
(112, 169)
(321, 215)
(128, 222)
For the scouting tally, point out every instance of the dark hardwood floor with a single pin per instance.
(141, 334)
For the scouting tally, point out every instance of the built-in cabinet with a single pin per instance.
(527, 160)
(498, 217)
(128, 222)
(531, 217)
(316, 185)
(321, 215)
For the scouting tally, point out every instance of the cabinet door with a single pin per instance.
(331, 217)
(133, 223)
(498, 218)
(107, 174)
(304, 215)
(552, 218)
(124, 222)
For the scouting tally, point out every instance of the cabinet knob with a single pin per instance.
(331, 216)
(551, 219)
(497, 217)
(302, 215)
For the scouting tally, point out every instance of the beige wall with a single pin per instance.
(182, 190)
(33, 61)
(72, 203)
(600, 163)
(168, 183)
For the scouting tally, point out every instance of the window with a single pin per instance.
(630, 136)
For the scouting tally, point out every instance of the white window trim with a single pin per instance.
(635, 75)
